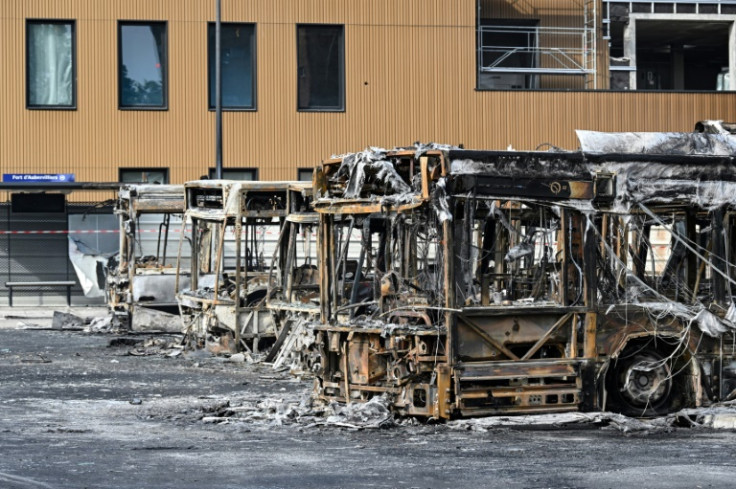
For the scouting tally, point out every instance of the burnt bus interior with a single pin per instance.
(292, 296)
(382, 264)
(298, 287)
(521, 256)
(253, 258)
(233, 228)
(465, 283)
(140, 280)
(665, 273)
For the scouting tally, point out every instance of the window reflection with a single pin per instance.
(143, 65)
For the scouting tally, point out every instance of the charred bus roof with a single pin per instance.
(151, 199)
(611, 171)
(219, 199)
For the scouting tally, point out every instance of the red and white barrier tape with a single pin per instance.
(102, 231)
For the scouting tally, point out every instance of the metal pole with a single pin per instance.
(218, 93)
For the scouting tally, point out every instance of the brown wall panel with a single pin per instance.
(410, 76)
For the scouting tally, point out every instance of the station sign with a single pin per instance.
(38, 177)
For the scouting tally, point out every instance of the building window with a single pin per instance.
(51, 64)
(238, 42)
(142, 65)
(321, 67)
(250, 174)
(144, 175)
(527, 49)
(508, 54)
(304, 174)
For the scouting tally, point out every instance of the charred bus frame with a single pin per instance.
(497, 282)
(140, 287)
(225, 306)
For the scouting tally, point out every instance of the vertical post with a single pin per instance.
(218, 91)
(630, 51)
(731, 57)
(718, 257)
(590, 287)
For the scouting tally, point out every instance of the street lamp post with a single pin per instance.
(218, 93)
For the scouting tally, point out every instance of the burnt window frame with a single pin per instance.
(212, 170)
(73, 23)
(164, 63)
(142, 169)
(254, 69)
(341, 74)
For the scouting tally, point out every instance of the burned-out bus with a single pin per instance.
(235, 238)
(492, 282)
(140, 278)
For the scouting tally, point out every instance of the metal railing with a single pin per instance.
(545, 50)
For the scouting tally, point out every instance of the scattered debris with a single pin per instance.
(157, 346)
(240, 358)
(102, 324)
(124, 341)
(68, 321)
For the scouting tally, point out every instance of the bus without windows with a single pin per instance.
(496, 282)
(140, 280)
(243, 236)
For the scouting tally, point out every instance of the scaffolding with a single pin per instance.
(541, 50)
(710, 7)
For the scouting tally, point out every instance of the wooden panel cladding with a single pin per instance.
(410, 75)
(552, 13)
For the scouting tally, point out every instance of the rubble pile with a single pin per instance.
(300, 411)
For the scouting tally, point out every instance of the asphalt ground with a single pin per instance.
(79, 410)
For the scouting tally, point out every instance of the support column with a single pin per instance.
(630, 50)
(678, 67)
(732, 56)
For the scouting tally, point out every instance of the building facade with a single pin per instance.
(303, 79)
(113, 91)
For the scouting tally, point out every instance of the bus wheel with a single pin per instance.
(640, 382)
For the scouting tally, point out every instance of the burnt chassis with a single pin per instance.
(226, 306)
(138, 290)
(462, 349)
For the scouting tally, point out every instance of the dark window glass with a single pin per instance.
(142, 69)
(236, 174)
(321, 67)
(51, 70)
(144, 175)
(304, 174)
(238, 65)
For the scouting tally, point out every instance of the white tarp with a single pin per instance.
(88, 264)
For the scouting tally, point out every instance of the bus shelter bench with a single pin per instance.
(41, 284)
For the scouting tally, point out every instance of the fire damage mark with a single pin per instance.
(140, 278)
(459, 283)
(253, 262)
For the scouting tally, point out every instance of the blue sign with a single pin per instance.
(38, 177)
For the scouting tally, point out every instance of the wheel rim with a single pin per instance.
(646, 380)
